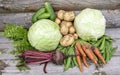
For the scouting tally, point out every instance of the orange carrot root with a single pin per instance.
(78, 46)
(78, 60)
(85, 62)
(89, 53)
(97, 52)
(94, 55)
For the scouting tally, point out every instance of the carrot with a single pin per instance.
(84, 57)
(94, 55)
(78, 60)
(84, 61)
(97, 52)
(78, 46)
(85, 47)
(88, 53)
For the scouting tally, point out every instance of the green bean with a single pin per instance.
(103, 44)
(72, 53)
(70, 50)
(60, 48)
(107, 51)
(103, 50)
(113, 50)
(107, 55)
(43, 16)
(68, 63)
(107, 37)
(73, 44)
(110, 45)
(75, 62)
(39, 12)
(50, 11)
(65, 61)
(67, 51)
(103, 54)
(72, 64)
(98, 43)
(63, 50)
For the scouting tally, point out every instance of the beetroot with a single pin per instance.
(36, 57)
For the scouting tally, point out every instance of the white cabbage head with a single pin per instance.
(44, 35)
(90, 24)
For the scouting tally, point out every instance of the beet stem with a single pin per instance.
(44, 68)
(36, 53)
(36, 57)
(40, 62)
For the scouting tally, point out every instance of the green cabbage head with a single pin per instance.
(44, 35)
(90, 24)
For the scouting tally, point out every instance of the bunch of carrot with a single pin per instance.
(83, 51)
(105, 45)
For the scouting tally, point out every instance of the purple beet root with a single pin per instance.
(36, 57)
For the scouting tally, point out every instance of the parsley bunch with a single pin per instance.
(20, 41)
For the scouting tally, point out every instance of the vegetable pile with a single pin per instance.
(62, 38)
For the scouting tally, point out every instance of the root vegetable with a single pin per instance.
(60, 14)
(58, 57)
(67, 40)
(71, 30)
(58, 21)
(36, 57)
(68, 24)
(89, 54)
(94, 55)
(75, 36)
(97, 52)
(78, 46)
(84, 61)
(69, 16)
(78, 58)
(64, 30)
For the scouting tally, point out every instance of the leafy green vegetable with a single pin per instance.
(21, 43)
(15, 32)
(21, 65)
(19, 35)
(44, 35)
(90, 24)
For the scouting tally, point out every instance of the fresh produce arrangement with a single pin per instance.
(62, 38)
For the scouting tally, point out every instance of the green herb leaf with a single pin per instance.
(21, 43)
(15, 32)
